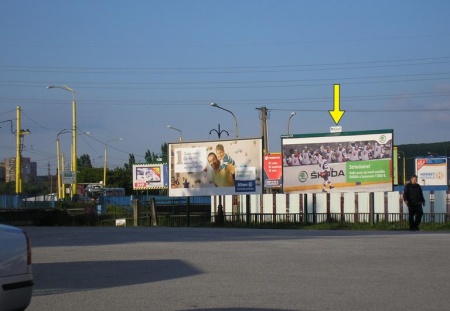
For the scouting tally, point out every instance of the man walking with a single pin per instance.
(413, 198)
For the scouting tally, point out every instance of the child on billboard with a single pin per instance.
(223, 157)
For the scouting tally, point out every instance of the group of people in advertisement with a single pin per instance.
(336, 153)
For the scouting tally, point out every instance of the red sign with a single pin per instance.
(273, 168)
(420, 163)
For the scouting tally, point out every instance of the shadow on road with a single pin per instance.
(57, 278)
(92, 236)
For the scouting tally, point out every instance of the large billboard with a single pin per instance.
(432, 171)
(150, 176)
(338, 162)
(224, 167)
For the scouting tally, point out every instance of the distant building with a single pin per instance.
(28, 171)
(2, 172)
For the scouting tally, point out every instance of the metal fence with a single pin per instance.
(399, 220)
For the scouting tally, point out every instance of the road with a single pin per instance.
(238, 269)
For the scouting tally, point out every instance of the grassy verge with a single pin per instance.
(344, 226)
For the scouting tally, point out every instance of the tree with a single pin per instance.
(84, 162)
(121, 178)
(130, 163)
(90, 175)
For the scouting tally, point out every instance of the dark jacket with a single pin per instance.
(413, 194)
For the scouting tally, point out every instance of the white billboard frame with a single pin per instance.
(338, 162)
(150, 176)
(199, 168)
(432, 171)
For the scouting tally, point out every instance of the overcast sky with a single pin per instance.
(138, 66)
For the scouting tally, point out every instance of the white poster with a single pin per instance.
(224, 167)
(431, 171)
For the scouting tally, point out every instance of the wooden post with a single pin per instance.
(136, 212)
(153, 212)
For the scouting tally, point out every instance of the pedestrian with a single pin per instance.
(413, 198)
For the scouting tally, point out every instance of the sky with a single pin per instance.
(138, 66)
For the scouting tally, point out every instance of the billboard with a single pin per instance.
(273, 168)
(432, 171)
(150, 176)
(224, 167)
(338, 162)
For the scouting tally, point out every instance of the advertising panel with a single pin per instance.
(224, 167)
(432, 171)
(150, 176)
(273, 168)
(68, 177)
(395, 165)
(338, 162)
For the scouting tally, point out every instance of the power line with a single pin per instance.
(80, 84)
(228, 67)
(237, 87)
(201, 102)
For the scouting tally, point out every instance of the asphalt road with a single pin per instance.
(238, 269)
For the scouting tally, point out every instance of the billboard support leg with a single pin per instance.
(220, 215)
(247, 205)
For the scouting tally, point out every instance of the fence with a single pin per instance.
(350, 207)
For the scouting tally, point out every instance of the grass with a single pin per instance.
(342, 226)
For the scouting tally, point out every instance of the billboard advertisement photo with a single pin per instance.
(338, 162)
(273, 167)
(224, 167)
(431, 171)
(150, 176)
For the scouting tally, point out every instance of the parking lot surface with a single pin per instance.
(83, 268)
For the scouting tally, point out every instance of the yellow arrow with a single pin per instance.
(337, 113)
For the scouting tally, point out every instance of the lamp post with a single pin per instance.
(175, 129)
(61, 194)
(219, 207)
(404, 165)
(235, 120)
(105, 159)
(289, 121)
(219, 132)
(74, 133)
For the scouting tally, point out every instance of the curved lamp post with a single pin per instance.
(105, 159)
(289, 121)
(175, 129)
(58, 158)
(235, 120)
(74, 133)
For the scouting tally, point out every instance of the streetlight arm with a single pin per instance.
(235, 119)
(175, 129)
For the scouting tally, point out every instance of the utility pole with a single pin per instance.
(18, 155)
(263, 116)
(19, 145)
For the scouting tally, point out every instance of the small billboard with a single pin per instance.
(338, 162)
(224, 167)
(432, 171)
(150, 176)
(68, 177)
(273, 169)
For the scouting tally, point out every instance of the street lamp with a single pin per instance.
(106, 159)
(235, 120)
(289, 121)
(74, 133)
(175, 129)
(61, 193)
(219, 132)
